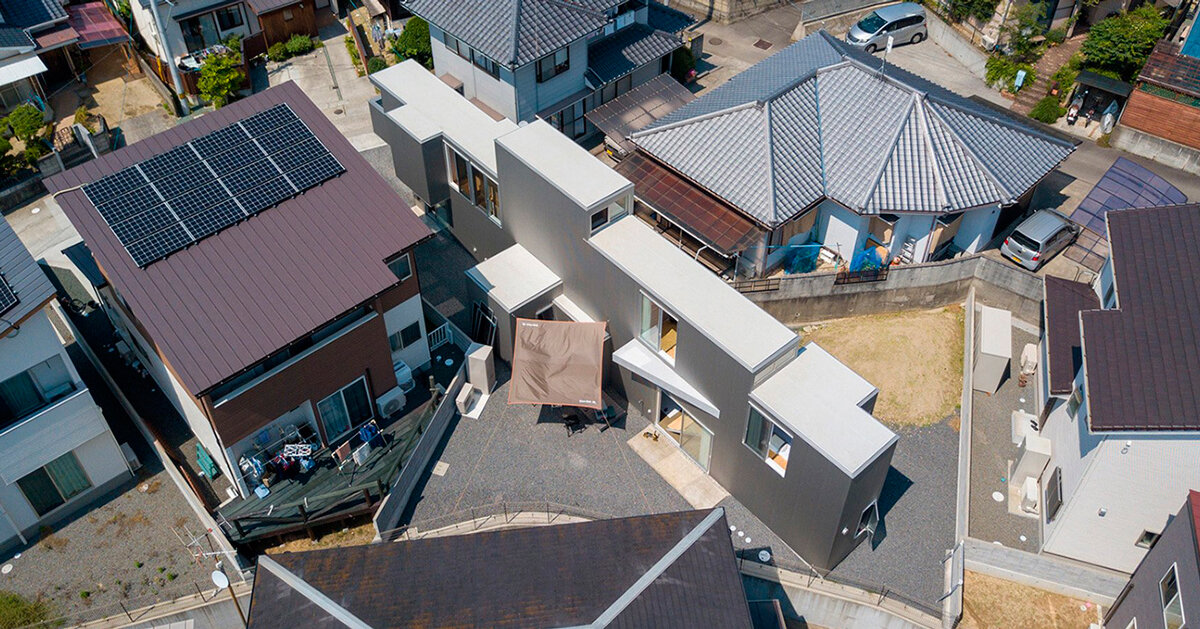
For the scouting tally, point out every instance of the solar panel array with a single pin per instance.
(8, 298)
(172, 200)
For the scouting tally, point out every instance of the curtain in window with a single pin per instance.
(333, 416)
(68, 475)
(43, 496)
(18, 397)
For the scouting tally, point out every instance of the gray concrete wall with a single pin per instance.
(1153, 147)
(929, 285)
(725, 10)
(959, 47)
(475, 229)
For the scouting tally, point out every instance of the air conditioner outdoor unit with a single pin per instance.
(391, 402)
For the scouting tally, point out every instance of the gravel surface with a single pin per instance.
(992, 451)
(916, 518)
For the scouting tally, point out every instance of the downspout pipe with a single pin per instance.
(170, 58)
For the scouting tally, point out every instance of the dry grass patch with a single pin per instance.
(914, 358)
(991, 602)
(356, 536)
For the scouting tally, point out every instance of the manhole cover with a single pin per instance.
(763, 44)
(6, 569)
(715, 41)
(997, 496)
(338, 111)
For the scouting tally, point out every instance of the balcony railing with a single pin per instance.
(68, 401)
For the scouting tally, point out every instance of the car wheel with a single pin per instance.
(870, 49)
(916, 39)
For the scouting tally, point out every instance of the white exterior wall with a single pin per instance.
(976, 229)
(918, 226)
(1103, 282)
(416, 355)
(534, 96)
(840, 229)
(144, 19)
(497, 93)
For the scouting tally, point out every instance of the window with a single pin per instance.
(1110, 295)
(51, 486)
(768, 440)
(287, 15)
(456, 45)
(553, 64)
(199, 32)
(483, 62)
(32, 389)
(1172, 605)
(869, 520)
(1147, 539)
(229, 17)
(345, 409)
(659, 329)
(406, 337)
(401, 267)
(477, 185)
(599, 219)
(492, 198)
(460, 171)
(1074, 402)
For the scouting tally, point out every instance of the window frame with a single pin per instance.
(396, 340)
(45, 469)
(764, 455)
(234, 10)
(1178, 597)
(1075, 402)
(861, 529)
(485, 63)
(407, 264)
(602, 213)
(556, 67)
(341, 392)
(656, 347)
(1147, 539)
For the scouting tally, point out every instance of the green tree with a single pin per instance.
(1122, 43)
(982, 10)
(26, 121)
(413, 42)
(1023, 26)
(220, 78)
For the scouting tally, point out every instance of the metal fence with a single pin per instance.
(495, 515)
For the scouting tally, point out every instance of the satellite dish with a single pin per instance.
(219, 579)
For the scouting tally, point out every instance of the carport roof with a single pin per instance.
(820, 120)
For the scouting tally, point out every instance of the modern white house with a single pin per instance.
(1119, 392)
(56, 449)
(785, 429)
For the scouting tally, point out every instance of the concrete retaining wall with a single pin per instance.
(20, 193)
(725, 10)
(827, 604)
(1158, 149)
(913, 287)
(959, 47)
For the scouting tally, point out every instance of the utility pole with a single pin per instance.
(170, 59)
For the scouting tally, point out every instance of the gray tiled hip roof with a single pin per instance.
(31, 13)
(628, 50)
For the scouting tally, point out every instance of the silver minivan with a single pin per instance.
(904, 22)
(1039, 238)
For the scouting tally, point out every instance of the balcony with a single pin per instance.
(52, 430)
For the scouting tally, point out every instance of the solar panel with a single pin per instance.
(195, 190)
(8, 298)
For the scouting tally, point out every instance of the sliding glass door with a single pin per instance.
(690, 435)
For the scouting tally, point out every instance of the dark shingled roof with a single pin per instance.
(232, 299)
(1142, 360)
(14, 37)
(23, 275)
(31, 13)
(629, 49)
(1064, 300)
(1167, 68)
(514, 32)
(551, 576)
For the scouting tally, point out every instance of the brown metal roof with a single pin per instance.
(1064, 300)
(234, 298)
(548, 576)
(1166, 67)
(1142, 360)
(715, 222)
(23, 275)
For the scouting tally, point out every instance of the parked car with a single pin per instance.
(1039, 238)
(904, 22)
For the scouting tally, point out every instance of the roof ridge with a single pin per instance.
(771, 195)
(954, 137)
(1004, 121)
(943, 195)
(820, 135)
(882, 168)
(516, 42)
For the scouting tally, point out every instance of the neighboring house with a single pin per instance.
(35, 40)
(190, 27)
(667, 570)
(56, 449)
(819, 152)
(1165, 103)
(1118, 391)
(787, 430)
(549, 59)
(1164, 590)
(261, 293)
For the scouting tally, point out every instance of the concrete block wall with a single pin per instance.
(725, 10)
(1158, 149)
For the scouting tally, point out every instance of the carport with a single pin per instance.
(636, 109)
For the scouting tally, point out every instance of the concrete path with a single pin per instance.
(1043, 571)
(696, 487)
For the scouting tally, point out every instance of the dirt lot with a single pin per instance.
(110, 91)
(357, 536)
(914, 358)
(990, 602)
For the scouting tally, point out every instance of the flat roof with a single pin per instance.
(582, 177)
(430, 106)
(513, 277)
(226, 302)
(692, 293)
(817, 397)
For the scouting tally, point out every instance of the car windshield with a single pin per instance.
(1025, 241)
(871, 23)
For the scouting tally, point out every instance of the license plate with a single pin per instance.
(1016, 259)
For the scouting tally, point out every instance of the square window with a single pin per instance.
(287, 15)
(599, 219)
(768, 441)
(401, 267)
(1147, 539)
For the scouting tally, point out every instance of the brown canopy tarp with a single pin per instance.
(558, 363)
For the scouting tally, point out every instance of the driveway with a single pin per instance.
(329, 78)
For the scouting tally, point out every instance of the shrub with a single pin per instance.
(353, 50)
(299, 45)
(1056, 36)
(220, 78)
(375, 64)
(1002, 72)
(982, 10)
(1020, 31)
(17, 611)
(26, 122)
(34, 151)
(413, 42)
(1122, 43)
(1066, 75)
(277, 52)
(1047, 110)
